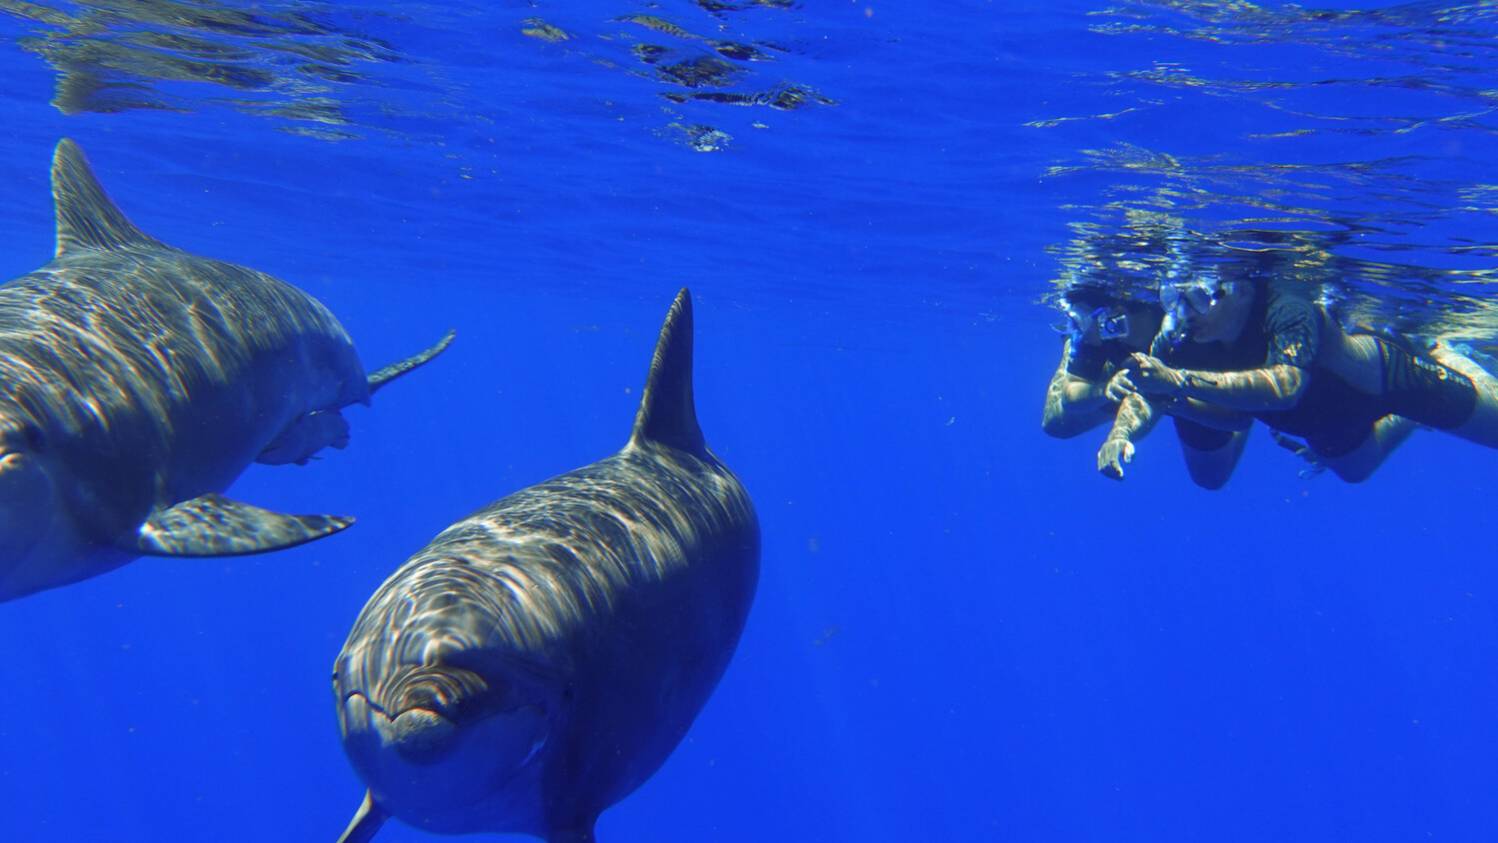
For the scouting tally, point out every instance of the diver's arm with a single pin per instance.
(1293, 327)
(1136, 417)
(1073, 405)
(1190, 409)
(1276, 387)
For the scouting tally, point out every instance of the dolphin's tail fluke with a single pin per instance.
(400, 367)
(668, 414)
(367, 820)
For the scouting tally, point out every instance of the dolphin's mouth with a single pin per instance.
(425, 765)
(414, 732)
(419, 729)
(465, 720)
(425, 760)
(421, 721)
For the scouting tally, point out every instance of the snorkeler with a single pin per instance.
(1258, 350)
(1102, 330)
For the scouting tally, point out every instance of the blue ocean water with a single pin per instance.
(962, 632)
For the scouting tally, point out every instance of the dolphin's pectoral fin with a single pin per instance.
(306, 436)
(394, 370)
(213, 525)
(367, 820)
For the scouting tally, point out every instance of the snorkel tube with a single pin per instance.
(1170, 326)
(1198, 294)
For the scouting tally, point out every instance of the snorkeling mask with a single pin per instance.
(1197, 296)
(1182, 300)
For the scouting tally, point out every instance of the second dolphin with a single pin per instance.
(541, 658)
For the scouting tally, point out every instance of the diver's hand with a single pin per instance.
(1153, 378)
(1113, 455)
(1119, 386)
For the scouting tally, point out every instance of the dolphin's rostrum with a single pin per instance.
(540, 659)
(137, 381)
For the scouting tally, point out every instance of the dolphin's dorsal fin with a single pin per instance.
(86, 218)
(667, 414)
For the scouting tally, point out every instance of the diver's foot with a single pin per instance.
(1314, 465)
(1458, 357)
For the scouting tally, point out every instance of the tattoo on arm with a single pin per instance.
(1276, 387)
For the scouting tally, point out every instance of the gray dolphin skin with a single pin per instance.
(540, 659)
(138, 381)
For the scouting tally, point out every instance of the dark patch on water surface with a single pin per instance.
(540, 29)
(740, 52)
(112, 56)
(694, 66)
(649, 53)
(703, 138)
(697, 72)
(782, 99)
(699, 69)
(317, 69)
(719, 7)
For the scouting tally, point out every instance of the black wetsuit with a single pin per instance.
(1097, 363)
(1333, 416)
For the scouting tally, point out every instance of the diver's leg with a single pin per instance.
(1211, 467)
(1482, 425)
(1391, 431)
(1356, 359)
(1359, 464)
(1453, 359)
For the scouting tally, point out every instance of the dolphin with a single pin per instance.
(137, 381)
(540, 659)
